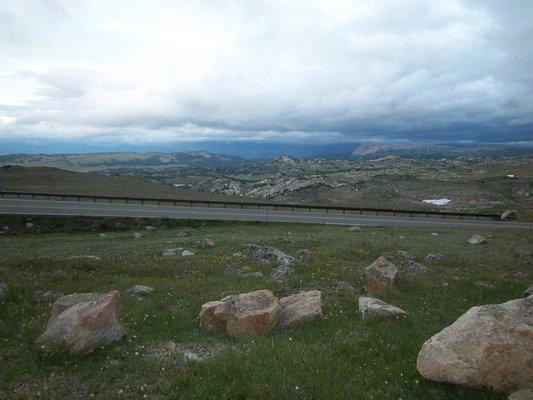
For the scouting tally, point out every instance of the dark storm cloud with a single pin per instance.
(330, 70)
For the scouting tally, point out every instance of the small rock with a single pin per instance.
(267, 254)
(171, 252)
(405, 254)
(485, 284)
(171, 352)
(303, 255)
(354, 228)
(139, 290)
(83, 322)
(48, 296)
(29, 224)
(282, 272)
(300, 308)
(379, 275)
(509, 215)
(187, 253)
(102, 235)
(206, 243)
(524, 394)
(375, 308)
(180, 233)
(477, 239)
(237, 255)
(84, 258)
(339, 287)
(246, 314)
(149, 228)
(411, 267)
(434, 257)
(190, 270)
(434, 234)
(3, 291)
(528, 292)
(137, 235)
(256, 274)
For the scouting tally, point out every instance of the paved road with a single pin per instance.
(47, 207)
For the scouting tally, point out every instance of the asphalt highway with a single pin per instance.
(48, 207)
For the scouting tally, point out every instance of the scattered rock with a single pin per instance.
(83, 258)
(137, 235)
(300, 308)
(490, 346)
(187, 253)
(3, 291)
(282, 272)
(303, 255)
(379, 275)
(267, 254)
(139, 290)
(524, 394)
(434, 257)
(411, 266)
(48, 296)
(477, 239)
(83, 322)
(509, 215)
(485, 284)
(253, 275)
(375, 308)
(180, 233)
(339, 287)
(171, 252)
(405, 254)
(246, 314)
(528, 292)
(206, 243)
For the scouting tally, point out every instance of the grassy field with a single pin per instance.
(341, 357)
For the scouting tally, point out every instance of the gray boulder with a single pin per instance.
(300, 308)
(267, 254)
(477, 239)
(375, 308)
(83, 322)
(490, 347)
(246, 314)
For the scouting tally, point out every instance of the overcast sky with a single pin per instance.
(323, 70)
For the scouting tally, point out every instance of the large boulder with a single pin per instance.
(477, 239)
(246, 314)
(82, 322)
(299, 308)
(379, 275)
(375, 308)
(267, 254)
(509, 215)
(490, 346)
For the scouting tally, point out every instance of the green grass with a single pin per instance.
(341, 357)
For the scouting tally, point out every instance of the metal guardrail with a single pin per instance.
(242, 205)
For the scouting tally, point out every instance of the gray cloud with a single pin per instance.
(325, 70)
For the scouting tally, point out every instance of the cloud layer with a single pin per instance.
(322, 70)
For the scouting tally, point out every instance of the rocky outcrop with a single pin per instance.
(246, 314)
(82, 322)
(267, 254)
(379, 275)
(300, 308)
(477, 239)
(375, 308)
(490, 346)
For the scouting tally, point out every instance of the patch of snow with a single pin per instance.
(438, 202)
